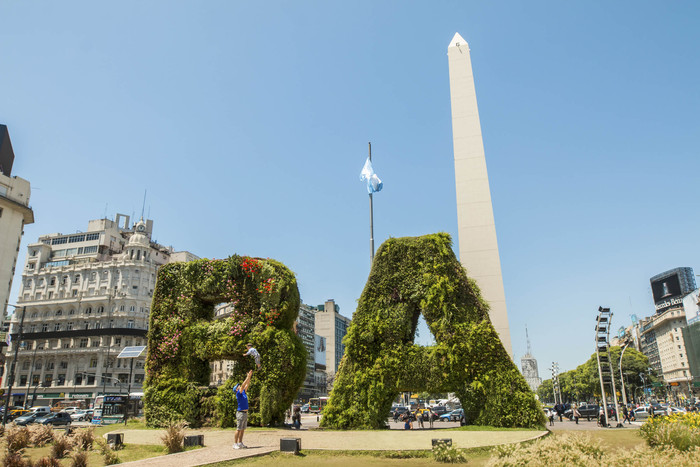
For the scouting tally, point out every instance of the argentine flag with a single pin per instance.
(374, 184)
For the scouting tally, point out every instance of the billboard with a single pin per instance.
(319, 349)
(670, 287)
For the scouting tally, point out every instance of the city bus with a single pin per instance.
(316, 404)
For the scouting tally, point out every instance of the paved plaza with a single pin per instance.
(218, 443)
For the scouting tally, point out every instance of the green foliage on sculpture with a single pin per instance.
(183, 337)
(413, 276)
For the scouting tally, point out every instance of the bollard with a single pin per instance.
(290, 445)
(115, 439)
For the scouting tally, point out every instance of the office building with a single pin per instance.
(478, 245)
(15, 213)
(332, 326)
(85, 296)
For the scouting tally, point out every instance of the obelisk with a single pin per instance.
(478, 245)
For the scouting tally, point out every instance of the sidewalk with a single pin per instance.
(219, 443)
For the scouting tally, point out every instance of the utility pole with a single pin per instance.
(371, 217)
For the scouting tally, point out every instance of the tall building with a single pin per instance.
(333, 326)
(15, 213)
(305, 326)
(85, 296)
(662, 335)
(478, 245)
(528, 363)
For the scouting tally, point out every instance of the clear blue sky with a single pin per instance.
(248, 123)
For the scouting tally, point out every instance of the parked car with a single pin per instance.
(453, 416)
(27, 419)
(438, 411)
(398, 411)
(72, 410)
(17, 413)
(305, 408)
(41, 409)
(79, 416)
(58, 418)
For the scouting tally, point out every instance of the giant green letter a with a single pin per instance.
(418, 275)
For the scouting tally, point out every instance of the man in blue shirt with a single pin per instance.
(242, 414)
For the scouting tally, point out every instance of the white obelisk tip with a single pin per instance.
(458, 40)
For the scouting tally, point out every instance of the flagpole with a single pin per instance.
(371, 218)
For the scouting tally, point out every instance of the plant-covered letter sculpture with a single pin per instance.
(413, 276)
(184, 336)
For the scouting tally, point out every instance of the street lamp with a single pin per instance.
(622, 377)
(11, 372)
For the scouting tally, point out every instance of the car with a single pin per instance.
(71, 410)
(27, 419)
(17, 413)
(453, 416)
(58, 418)
(41, 409)
(586, 411)
(396, 412)
(305, 408)
(79, 416)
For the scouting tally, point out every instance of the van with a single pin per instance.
(41, 410)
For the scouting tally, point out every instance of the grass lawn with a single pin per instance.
(613, 437)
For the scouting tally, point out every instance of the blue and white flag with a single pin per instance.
(374, 184)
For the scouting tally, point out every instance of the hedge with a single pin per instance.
(409, 277)
(183, 337)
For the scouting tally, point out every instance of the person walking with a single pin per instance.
(551, 417)
(626, 413)
(576, 414)
(242, 414)
(431, 415)
(296, 418)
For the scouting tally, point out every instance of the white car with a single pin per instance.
(79, 416)
(72, 410)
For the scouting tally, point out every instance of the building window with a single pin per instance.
(97, 325)
(47, 380)
(117, 341)
(32, 328)
(138, 378)
(50, 294)
(25, 365)
(92, 236)
(44, 327)
(61, 380)
(57, 327)
(93, 363)
(130, 324)
(121, 308)
(66, 345)
(86, 325)
(69, 326)
(88, 310)
(100, 309)
(23, 380)
(37, 365)
(83, 342)
(50, 366)
(78, 379)
(75, 293)
(63, 365)
(96, 342)
(52, 281)
(72, 312)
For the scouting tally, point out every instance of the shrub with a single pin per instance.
(79, 458)
(173, 438)
(17, 438)
(47, 462)
(84, 439)
(448, 454)
(15, 459)
(680, 431)
(108, 453)
(61, 447)
(41, 435)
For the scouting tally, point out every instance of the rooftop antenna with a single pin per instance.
(106, 205)
(143, 206)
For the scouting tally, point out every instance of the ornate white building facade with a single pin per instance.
(85, 297)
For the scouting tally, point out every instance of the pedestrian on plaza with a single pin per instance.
(601, 417)
(577, 414)
(551, 418)
(296, 418)
(626, 413)
(431, 415)
(242, 413)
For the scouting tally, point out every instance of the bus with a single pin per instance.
(316, 404)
